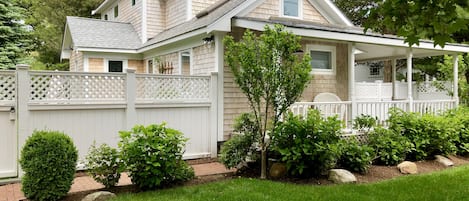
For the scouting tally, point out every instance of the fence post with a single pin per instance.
(131, 87)
(22, 98)
(213, 114)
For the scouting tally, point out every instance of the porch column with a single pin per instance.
(409, 79)
(455, 79)
(394, 86)
(219, 67)
(351, 79)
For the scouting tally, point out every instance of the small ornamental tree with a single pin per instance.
(271, 76)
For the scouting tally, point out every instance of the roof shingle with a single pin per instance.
(95, 33)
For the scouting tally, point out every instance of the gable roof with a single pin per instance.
(95, 33)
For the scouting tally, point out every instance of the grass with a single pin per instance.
(450, 184)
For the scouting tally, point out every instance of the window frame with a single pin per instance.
(191, 61)
(324, 48)
(133, 2)
(300, 10)
(124, 64)
(116, 11)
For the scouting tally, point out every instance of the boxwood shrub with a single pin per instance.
(48, 160)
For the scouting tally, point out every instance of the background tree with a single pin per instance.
(270, 75)
(15, 40)
(48, 21)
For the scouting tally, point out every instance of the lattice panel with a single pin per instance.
(173, 88)
(433, 87)
(361, 137)
(7, 86)
(77, 88)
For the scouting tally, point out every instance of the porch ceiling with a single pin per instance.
(378, 52)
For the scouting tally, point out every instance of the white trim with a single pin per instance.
(189, 10)
(91, 49)
(282, 11)
(101, 7)
(224, 23)
(358, 38)
(172, 40)
(144, 21)
(187, 44)
(86, 63)
(324, 48)
(329, 10)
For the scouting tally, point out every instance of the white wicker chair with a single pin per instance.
(328, 110)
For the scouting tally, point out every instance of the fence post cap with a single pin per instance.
(22, 67)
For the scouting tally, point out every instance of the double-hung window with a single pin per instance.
(291, 8)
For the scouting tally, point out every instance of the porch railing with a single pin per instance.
(348, 110)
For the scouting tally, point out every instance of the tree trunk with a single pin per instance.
(263, 163)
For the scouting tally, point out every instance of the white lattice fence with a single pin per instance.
(154, 88)
(7, 86)
(63, 87)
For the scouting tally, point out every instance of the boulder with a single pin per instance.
(99, 196)
(278, 170)
(341, 176)
(444, 161)
(407, 167)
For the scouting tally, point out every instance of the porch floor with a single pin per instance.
(12, 192)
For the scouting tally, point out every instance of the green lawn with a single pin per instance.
(451, 184)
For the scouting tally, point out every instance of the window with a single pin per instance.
(291, 8)
(115, 66)
(105, 17)
(185, 62)
(150, 66)
(116, 11)
(323, 58)
(374, 70)
(133, 2)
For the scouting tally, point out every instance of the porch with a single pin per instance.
(348, 110)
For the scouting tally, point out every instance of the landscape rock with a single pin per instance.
(278, 170)
(407, 167)
(341, 176)
(99, 196)
(444, 161)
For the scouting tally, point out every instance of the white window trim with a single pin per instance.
(125, 64)
(191, 61)
(324, 48)
(300, 10)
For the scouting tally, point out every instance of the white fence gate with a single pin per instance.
(8, 137)
(96, 106)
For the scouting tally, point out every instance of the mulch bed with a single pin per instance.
(376, 173)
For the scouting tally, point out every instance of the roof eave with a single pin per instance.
(111, 50)
(352, 37)
(102, 6)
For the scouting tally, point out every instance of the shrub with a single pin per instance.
(242, 145)
(364, 122)
(153, 156)
(355, 156)
(104, 164)
(429, 134)
(308, 146)
(48, 160)
(390, 147)
(461, 118)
